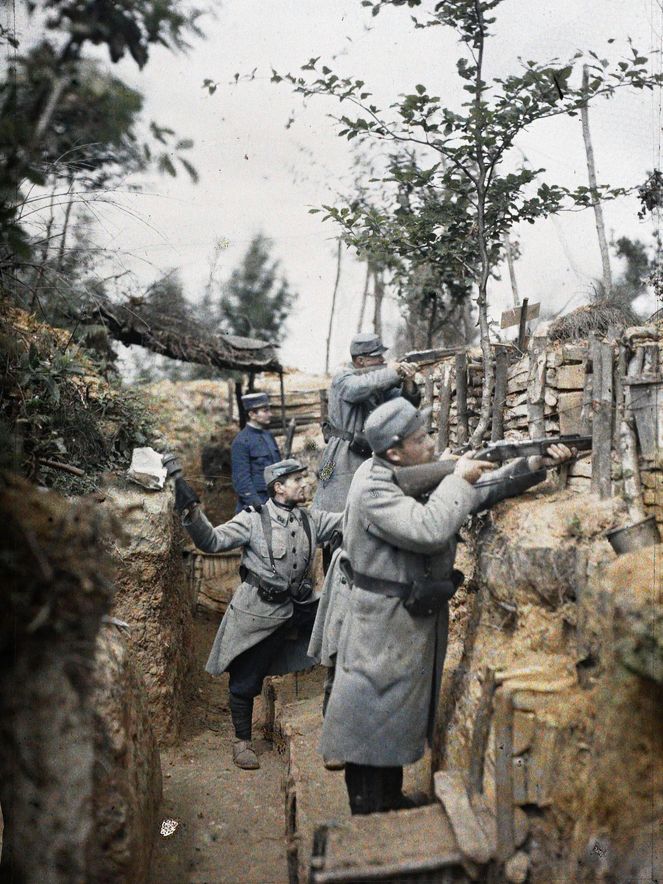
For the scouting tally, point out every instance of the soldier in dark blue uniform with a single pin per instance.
(253, 449)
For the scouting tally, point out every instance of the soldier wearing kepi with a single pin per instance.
(267, 626)
(253, 449)
(354, 393)
(393, 639)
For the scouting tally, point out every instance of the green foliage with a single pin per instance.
(256, 300)
(471, 143)
(56, 407)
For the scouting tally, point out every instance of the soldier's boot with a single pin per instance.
(244, 755)
(241, 712)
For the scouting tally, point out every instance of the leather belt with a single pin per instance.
(389, 588)
(268, 592)
(338, 433)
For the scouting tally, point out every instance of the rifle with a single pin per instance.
(424, 478)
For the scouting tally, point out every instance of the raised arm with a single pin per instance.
(357, 387)
(421, 528)
(236, 532)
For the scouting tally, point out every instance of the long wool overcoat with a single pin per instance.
(389, 663)
(353, 395)
(332, 607)
(249, 619)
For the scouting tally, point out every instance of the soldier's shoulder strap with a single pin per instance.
(266, 524)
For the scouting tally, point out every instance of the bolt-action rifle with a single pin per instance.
(424, 478)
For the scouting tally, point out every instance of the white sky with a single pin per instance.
(256, 175)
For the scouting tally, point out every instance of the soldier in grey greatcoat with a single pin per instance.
(354, 393)
(267, 625)
(393, 638)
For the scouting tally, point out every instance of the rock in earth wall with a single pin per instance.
(127, 769)
(55, 590)
(154, 598)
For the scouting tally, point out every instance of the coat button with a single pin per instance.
(294, 549)
(292, 518)
(292, 533)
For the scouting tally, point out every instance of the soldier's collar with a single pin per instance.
(281, 512)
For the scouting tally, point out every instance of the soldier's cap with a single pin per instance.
(392, 422)
(252, 401)
(367, 344)
(281, 470)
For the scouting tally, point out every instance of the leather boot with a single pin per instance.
(244, 755)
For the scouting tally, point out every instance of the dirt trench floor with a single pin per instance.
(231, 823)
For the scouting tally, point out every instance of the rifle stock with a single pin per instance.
(415, 481)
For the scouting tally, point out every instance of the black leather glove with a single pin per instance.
(185, 496)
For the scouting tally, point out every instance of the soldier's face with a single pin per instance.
(292, 489)
(366, 361)
(262, 416)
(418, 448)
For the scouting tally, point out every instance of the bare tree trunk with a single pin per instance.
(512, 270)
(65, 226)
(596, 203)
(333, 303)
(485, 411)
(378, 295)
(431, 322)
(364, 296)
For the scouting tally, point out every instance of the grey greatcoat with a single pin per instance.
(389, 663)
(332, 607)
(249, 619)
(353, 395)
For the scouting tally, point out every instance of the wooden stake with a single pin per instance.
(445, 405)
(462, 429)
(499, 398)
(602, 423)
(481, 731)
(504, 774)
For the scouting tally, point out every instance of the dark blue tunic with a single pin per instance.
(251, 451)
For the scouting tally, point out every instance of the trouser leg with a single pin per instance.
(241, 712)
(247, 673)
(373, 789)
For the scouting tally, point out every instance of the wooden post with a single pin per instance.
(481, 732)
(602, 423)
(504, 774)
(618, 376)
(522, 328)
(499, 397)
(241, 414)
(444, 393)
(512, 270)
(324, 407)
(536, 389)
(231, 401)
(462, 430)
(587, 412)
(428, 396)
(284, 425)
(378, 295)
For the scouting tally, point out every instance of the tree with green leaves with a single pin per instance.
(467, 148)
(51, 69)
(257, 300)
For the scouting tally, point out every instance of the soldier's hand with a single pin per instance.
(448, 454)
(557, 454)
(185, 496)
(405, 370)
(472, 470)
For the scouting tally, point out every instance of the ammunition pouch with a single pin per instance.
(303, 591)
(358, 442)
(427, 595)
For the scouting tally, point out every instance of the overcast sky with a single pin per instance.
(256, 175)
